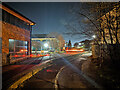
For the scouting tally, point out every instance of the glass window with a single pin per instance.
(36, 45)
(18, 48)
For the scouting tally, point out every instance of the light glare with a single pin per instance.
(46, 45)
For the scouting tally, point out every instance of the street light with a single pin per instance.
(94, 36)
(45, 45)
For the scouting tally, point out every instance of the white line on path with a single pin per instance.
(56, 79)
(92, 82)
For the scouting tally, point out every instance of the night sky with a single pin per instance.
(48, 16)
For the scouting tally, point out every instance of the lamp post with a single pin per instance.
(46, 45)
(94, 36)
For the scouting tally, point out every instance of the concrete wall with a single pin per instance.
(12, 32)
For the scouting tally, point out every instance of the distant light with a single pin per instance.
(25, 50)
(22, 50)
(94, 36)
(49, 70)
(46, 45)
(47, 55)
(80, 44)
(16, 55)
(25, 42)
(39, 55)
(10, 40)
(31, 55)
(81, 50)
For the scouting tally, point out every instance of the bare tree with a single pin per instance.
(60, 40)
(101, 19)
(85, 19)
(69, 44)
(110, 26)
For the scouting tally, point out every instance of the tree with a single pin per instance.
(36, 45)
(84, 21)
(59, 44)
(101, 19)
(76, 44)
(69, 44)
(110, 28)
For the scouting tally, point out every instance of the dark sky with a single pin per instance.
(48, 16)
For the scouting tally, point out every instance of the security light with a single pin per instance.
(94, 36)
(45, 45)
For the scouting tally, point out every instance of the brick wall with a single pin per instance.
(12, 32)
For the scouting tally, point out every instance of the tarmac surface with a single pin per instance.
(56, 71)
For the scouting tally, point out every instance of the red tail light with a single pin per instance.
(47, 55)
(39, 55)
(49, 70)
(16, 55)
(31, 55)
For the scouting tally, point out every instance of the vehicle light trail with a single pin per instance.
(81, 50)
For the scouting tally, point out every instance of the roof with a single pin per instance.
(40, 36)
(16, 13)
(85, 41)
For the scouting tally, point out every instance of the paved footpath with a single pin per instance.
(71, 76)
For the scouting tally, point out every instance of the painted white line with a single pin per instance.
(56, 79)
(90, 80)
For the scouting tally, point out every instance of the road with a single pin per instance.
(12, 72)
(60, 71)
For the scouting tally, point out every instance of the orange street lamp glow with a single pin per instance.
(22, 50)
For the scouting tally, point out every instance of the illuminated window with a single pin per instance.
(17, 47)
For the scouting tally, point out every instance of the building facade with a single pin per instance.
(110, 30)
(15, 36)
(110, 26)
(41, 42)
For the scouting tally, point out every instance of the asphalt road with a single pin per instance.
(12, 72)
(59, 72)
(46, 77)
(54, 77)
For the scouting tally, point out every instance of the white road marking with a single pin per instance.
(56, 78)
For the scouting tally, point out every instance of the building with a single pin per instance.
(44, 42)
(86, 44)
(110, 30)
(15, 34)
(110, 24)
